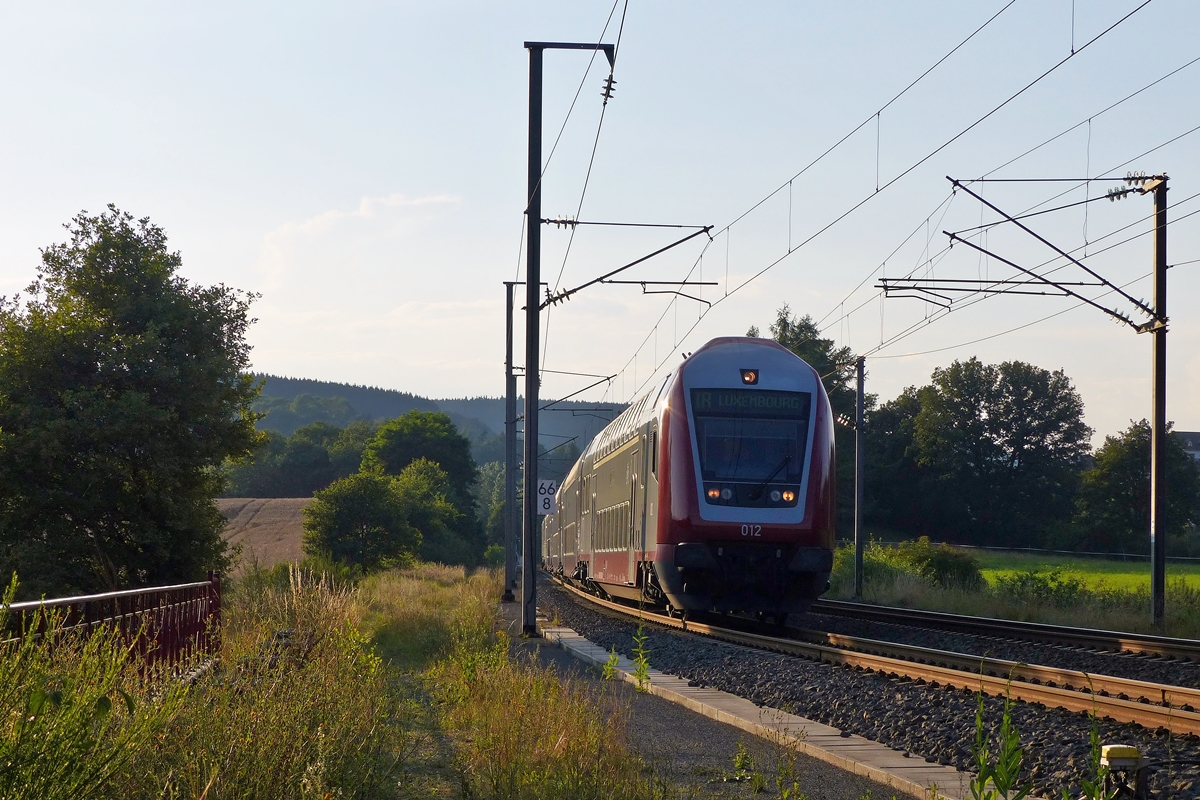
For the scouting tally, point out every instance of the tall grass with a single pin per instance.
(74, 709)
(412, 615)
(516, 729)
(299, 708)
(390, 685)
(524, 731)
(1055, 596)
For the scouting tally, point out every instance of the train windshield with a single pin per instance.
(756, 436)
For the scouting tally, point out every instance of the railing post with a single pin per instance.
(213, 622)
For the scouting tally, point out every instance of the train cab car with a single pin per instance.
(715, 491)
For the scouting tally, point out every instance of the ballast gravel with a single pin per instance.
(1117, 665)
(937, 724)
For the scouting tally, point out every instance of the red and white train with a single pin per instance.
(715, 491)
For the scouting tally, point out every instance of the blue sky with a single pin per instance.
(361, 165)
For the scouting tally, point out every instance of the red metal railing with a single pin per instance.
(169, 625)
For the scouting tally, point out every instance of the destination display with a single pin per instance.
(751, 403)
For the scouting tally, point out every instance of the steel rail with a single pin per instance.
(1167, 695)
(1092, 639)
(995, 681)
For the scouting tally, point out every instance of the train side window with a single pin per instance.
(654, 452)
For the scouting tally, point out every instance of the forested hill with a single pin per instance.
(368, 401)
(290, 403)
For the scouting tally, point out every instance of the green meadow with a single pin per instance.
(1095, 572)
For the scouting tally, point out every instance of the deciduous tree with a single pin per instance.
(423, 434)
(122, 390)
(1113, 509)
(1005, 443)
(362, 519)
(896, 483)
(377, 520)
(431, 435)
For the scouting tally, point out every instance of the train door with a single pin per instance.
(640, 514)
(650, 525)
(634, 535)
(578, 517)
(593, 522)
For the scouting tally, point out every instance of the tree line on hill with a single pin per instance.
(996, 454)
(319, 455)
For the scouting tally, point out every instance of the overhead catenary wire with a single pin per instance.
(891, 182)
(1103, 111)
(563, 127)
(905, 333)
(591, 162)
(945, 144)
(1039, 146)
(1138, 303)
(920, 161)
(1123, 164)
(1032, 214)
(919, 324)
(1023, 326)
(872, 116)
(949, 200)
(966, 304)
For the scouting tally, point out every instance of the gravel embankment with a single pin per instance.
(935, 724)
(1118, 665)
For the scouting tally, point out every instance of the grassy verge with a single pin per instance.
(1037, 593)
(493, 726)
(397, 686)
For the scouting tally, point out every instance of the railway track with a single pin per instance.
(1084, 638)
(1150, 705)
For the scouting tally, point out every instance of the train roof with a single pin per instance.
(627, 423)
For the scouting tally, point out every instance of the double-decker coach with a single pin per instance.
(714, 491)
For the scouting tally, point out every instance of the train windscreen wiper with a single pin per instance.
(758, 490)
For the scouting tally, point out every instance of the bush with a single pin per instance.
(1056, 587)
(361, 520)
(879, 567)
(942, 566)
(494, 556)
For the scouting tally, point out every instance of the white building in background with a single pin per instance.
(1191, 443)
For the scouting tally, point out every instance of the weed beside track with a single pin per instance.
(940, 578)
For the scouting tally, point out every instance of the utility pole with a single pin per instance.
(936, 290)
(859, 465)
(531, 552)
(533, 372)
(510, 455)
(1158, 425)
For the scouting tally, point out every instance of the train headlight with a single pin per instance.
(726, 494)
(775, 496)
(788, 495)
(714, 493)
